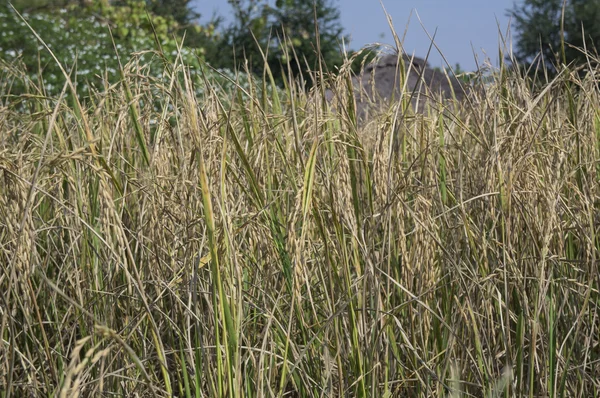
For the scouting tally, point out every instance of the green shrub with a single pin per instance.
(82, 38)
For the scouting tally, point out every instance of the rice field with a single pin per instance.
(263, 242)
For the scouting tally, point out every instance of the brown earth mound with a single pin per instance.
(381, 81)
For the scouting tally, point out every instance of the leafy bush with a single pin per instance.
(81, 38)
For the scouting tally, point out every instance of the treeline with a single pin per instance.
(80, 33)
(292, 37)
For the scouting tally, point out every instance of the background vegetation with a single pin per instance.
(554, 31)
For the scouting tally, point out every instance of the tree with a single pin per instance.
(538, 27)
(179, 10)
(196, 36)
(294, 20)
(286, 33)
(79, 35)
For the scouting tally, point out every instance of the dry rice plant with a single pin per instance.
(153, 243)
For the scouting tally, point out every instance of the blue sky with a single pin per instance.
(463, 26)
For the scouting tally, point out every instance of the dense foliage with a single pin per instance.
(285, 32)
(540, 25)
(180, 10)
(81, 38)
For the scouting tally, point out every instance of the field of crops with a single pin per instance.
(266, 243)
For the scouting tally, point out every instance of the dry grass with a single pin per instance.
(157, 244)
